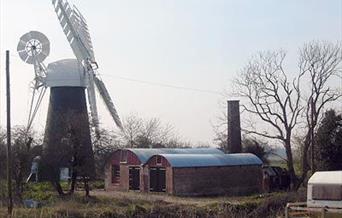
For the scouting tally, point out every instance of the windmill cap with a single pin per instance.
(67, 72)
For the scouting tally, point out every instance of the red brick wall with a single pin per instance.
(235, 180)
(108, 176)
(153, 162)
(132, 160)
(124, 177)
(115, 158)
(144, 179)
(169, 180)
(123, 185)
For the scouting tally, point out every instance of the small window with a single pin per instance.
(327, 192)
(123, 157)
(115, 174)
(158, 160)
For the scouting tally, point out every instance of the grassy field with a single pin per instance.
(134, 204)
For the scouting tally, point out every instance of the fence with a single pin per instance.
(300, 209)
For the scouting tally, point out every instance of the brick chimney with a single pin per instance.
(234, 128)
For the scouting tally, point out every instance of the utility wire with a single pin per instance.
(158, 84)
(166, 85)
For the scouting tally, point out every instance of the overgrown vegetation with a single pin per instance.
(132, 204)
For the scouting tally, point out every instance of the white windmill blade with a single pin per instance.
(92, 104)
(108, 101)
(82, 28)
(76, 30)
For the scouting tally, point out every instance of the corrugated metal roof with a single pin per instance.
(145, 153)
(326, 177)
(206, 160)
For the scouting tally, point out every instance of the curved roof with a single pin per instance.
(67, 72)
(207, 160)
(146, 153)
(326, 177)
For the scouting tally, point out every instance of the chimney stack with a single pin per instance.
(234, 128)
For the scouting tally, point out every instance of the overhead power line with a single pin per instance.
(159, 84)
(166, 85)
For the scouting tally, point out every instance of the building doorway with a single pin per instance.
(157, 179)
(134, 178)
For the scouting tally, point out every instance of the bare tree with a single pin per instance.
(220, 128)
(273, 98)
(24, 143)
(280, 102)
(320, 61)
(154, 133)
(144, 133)
(132, 127)
(21, 147)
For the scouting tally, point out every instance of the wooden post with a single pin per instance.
(287, 211)
(9, 155)
(323, 212)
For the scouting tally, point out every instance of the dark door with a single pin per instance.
(157, 179)
(134, 178)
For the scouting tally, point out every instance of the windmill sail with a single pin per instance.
(92, 103)
(108, 101)
(76, 30)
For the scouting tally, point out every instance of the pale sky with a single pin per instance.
(198, 44)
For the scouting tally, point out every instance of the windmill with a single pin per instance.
(76, 30)
(69, 80)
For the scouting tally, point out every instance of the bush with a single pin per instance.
(40, 192)
(99, 184)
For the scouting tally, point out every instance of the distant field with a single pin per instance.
(134, 204)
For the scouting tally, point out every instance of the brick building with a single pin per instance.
(125, 168)
(204, 174)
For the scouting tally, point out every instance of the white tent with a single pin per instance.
(325, 189)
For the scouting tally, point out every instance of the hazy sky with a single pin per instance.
(198, 44)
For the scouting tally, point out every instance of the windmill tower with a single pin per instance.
(67, 141)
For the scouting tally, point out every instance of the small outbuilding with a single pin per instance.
(325, 189)
(125, 171)
(204, 174)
